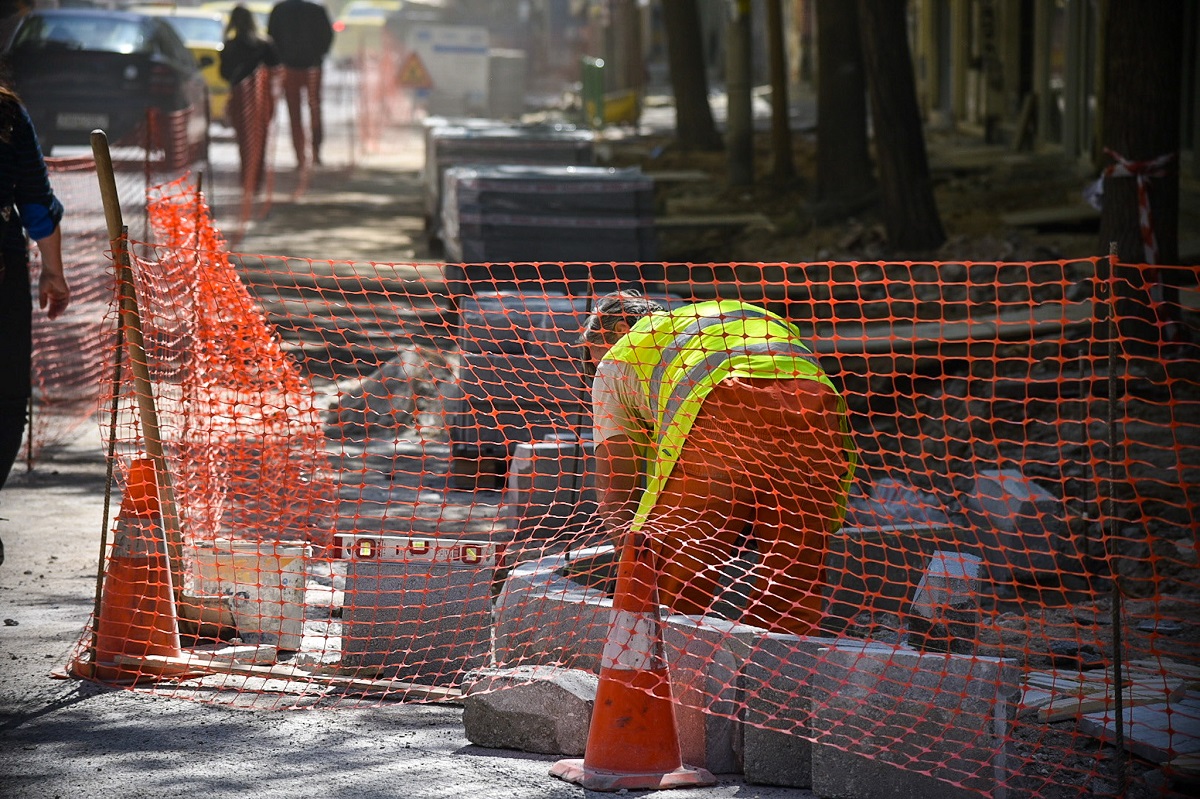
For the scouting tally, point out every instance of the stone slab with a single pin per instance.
(427, 623)
(705, 656)
(1157, 733)
(542, 618)
(893, 722)
(777, 711)
(530, 708)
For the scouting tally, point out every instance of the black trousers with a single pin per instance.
(16, 347)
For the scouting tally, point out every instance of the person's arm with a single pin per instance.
(40, 213)
(618, 483)
(53, 292)
(620, 441)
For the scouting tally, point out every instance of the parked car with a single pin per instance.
(358, 30)
(82, 69)
(203, 31)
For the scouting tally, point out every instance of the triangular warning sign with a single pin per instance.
(413, 74)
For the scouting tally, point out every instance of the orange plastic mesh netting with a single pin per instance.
(393, 486)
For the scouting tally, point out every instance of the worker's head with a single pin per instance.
(611, 318)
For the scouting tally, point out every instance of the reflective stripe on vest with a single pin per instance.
(676, 389)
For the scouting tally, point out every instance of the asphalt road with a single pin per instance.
(66, 738)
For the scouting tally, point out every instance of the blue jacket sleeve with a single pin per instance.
(39, 209)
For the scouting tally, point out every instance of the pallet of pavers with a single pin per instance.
(417, 608)
(506, 212)
(453, 145)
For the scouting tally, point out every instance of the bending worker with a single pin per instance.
(717, 431)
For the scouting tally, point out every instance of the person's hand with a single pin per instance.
(54, 294)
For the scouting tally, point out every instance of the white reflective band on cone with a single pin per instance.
(634, 643)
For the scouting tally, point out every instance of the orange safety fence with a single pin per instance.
(69, 373)
(69, 370)
(387, 491)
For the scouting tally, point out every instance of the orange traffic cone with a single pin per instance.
(137, 633)
(633, 741)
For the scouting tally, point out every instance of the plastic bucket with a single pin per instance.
(263, 583)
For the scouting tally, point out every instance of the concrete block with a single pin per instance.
(542, 618)
(945, 611)
(530, 708)
(705, 656)
(893, 722)
(877, 569)
(1020, 526)
(417, 608)
(951, 580)
(550, 485)
(777, 708)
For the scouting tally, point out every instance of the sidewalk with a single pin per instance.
(63, 738)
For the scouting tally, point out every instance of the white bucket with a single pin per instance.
(263, 583)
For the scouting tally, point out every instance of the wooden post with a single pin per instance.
(131, 323)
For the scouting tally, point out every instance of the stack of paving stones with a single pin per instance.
(502, 214)
(471, 141)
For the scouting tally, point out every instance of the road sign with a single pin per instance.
(413, 74)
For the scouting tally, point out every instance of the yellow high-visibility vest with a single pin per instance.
(681, 355)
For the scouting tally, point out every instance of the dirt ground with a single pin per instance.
(974, 187)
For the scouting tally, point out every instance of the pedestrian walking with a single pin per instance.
(246, 61)
(303, 35)
(27, 207)
(717, 430)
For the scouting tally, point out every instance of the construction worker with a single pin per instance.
(719, 436)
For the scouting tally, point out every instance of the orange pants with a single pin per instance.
(764, 464)
(249, 112)
(307, 82)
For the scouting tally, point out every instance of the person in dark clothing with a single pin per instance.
(303, 35)
(246, 59)
(27, 206)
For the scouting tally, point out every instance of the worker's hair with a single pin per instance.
(620, 306)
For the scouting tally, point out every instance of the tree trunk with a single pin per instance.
(694, 126)
(843, 159)
(739, 121)
(1143, 43)
(910, 213)
(783, 165)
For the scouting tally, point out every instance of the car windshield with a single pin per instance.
(197, 29)
(84, 32)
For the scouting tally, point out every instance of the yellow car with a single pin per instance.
(203, 31)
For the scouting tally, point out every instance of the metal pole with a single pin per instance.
(1120, 761)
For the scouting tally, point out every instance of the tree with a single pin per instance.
(843, 161)
(1143, 46)
(783, 167)
(910, 212)
(694, 126)
(739, 116)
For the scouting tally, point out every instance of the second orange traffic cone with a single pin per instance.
(137, 633)
(633, 741)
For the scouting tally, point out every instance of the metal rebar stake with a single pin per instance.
(1108, 285)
